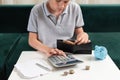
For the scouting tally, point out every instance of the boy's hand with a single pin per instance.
(54, 51)
(82, 38)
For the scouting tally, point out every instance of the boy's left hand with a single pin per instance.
(82, 38)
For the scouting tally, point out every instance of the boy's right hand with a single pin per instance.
(54, 51)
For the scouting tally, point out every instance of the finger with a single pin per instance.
(69, 42)
(57, 51)
(60, 52)
(53, 51)
(63, 54)
(49, 54)
(83, 41)
(78, 40)
(78, 43)
(89, 41)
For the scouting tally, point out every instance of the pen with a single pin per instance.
(43, 67)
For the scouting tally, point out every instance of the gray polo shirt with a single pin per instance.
(49, 29)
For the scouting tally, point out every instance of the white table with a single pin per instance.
(99, 69)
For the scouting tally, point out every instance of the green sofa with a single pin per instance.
(102, 22)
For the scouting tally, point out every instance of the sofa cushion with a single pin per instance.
(101, 18)
(14, 18)
(7, 42)
(22, 45)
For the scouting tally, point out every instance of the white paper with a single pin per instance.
(29, 69)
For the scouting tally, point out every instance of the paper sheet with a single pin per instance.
(29, 69)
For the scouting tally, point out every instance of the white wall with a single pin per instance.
(98, 1)
(78, 1)
(20, 1)
(103, 1)
(27, 1)
(7, 1)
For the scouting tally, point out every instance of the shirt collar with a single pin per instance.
(48, 13)
(45, 9)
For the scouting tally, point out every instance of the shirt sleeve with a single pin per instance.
(79, 17)
(32, 23)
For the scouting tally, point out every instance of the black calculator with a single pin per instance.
(62, 61)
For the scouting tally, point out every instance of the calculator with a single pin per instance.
(62, 61)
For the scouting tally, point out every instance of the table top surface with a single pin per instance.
(99, 69)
